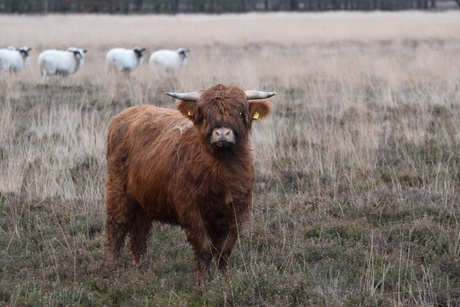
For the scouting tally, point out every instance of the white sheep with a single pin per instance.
(169, 60)
(125, 60)
(13, 60)
(60, 62)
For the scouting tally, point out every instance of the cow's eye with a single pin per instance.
(243, 116)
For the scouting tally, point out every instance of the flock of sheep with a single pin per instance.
(67, 62)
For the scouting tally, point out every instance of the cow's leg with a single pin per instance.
(202, 267)
(118, 215)
(202, 255)
(223, 248)
(115, 237)
(139, 233)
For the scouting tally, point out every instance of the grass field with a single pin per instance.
(357, 194)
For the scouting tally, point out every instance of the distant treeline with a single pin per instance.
(208, 6)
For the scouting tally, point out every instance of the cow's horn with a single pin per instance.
(192, 96)
(252, 94)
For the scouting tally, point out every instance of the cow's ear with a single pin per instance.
(259, 109)
(187, 108)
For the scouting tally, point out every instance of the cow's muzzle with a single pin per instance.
(222, 137)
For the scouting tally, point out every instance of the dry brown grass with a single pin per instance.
(357, 168)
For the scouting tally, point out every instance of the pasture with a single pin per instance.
(357, 193)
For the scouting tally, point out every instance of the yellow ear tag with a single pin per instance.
(256, 116)
(189, 113)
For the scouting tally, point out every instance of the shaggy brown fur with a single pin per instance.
(162, 166)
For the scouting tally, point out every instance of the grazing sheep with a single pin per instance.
(14, 60)
(169, 60)
(190, 167)
(60, 62)
(125, 60)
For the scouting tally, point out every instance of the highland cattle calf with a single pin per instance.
(192, 167)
